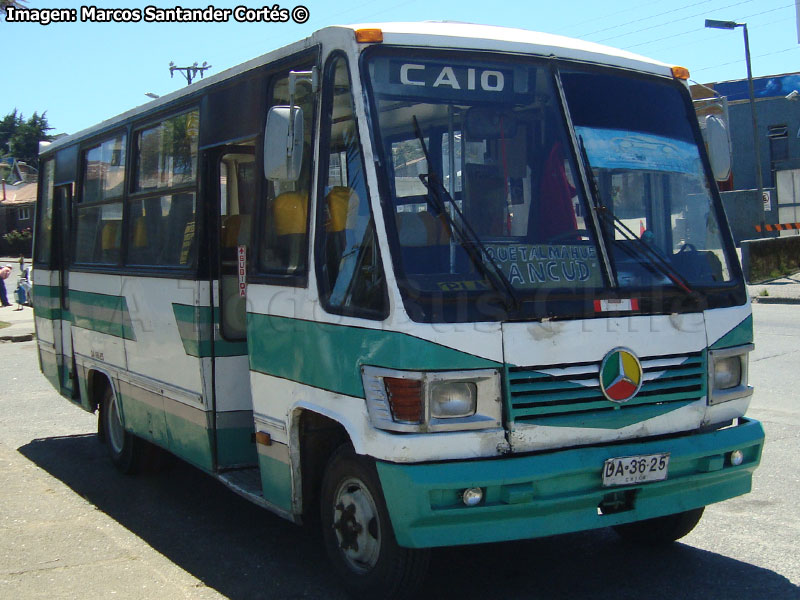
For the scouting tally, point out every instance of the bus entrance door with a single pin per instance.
(53, 323)
(69, 387)
(235, 175)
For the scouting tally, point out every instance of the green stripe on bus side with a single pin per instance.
(276, 481)
(47, 302)
(329, 356)
(738, 336)
(102, 313)
(190, 441)
(235, 446)
(50, 368)
(194, 325)
(144, 415)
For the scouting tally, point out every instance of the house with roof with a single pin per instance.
(17, 196)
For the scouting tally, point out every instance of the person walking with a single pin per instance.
(5, 271)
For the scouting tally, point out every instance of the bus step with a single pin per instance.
(246, 482)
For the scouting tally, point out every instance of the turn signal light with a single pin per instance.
(405, 399)
(365, 36)
(680, 73)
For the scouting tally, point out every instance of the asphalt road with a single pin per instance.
(72, 527)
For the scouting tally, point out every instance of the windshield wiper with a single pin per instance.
(655, 262)
(469, 240)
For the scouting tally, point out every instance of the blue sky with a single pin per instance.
(83, 73)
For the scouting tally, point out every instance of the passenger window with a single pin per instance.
(162, 230)
(284, 243)
(167, 153)
(98, 235)
(349, 270)
(162, 214)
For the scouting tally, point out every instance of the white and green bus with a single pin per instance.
(430, 284)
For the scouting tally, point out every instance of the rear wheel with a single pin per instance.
(358, 534)
(124, 448)
(661, 530)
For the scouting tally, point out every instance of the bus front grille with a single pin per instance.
(570, 395)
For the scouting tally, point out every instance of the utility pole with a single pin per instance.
(189, 72)
(713, 24)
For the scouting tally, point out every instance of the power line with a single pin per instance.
(644, 18)
(674, 21)
(734, 62)
(619, 12)
(665, 38)
(714, 37)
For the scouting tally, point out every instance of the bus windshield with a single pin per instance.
(648, 173)
(498, 145)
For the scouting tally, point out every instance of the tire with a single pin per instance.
(124, 448)
(358, 534)
(661, 530)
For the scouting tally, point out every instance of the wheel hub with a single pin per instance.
(356, 525)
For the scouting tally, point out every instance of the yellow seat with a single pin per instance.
(230, 231)
(342, 206)
(290, 211)
(139, 233)
(109, 236)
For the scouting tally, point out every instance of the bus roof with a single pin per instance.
(439, 34)
(508, 39)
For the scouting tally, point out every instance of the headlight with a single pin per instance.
(451, 399)
(727, 375)
(727, 372)
(414, 401)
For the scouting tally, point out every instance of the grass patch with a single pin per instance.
(3, 324)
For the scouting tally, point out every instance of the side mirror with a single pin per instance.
(719, 147)
(283, 143)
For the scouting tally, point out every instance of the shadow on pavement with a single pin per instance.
(246, 553)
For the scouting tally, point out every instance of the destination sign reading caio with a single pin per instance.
(443, 79)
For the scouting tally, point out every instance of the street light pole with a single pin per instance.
(756, 144)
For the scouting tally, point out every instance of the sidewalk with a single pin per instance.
(21, 327)
(784, 290)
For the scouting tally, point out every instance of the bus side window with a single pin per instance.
(284, 243)
(98, 237)
(161, 224)
(349, 269)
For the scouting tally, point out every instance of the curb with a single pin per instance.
(774, 300)
(24, 337)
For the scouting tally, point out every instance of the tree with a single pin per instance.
(8, 127)
(11, 4)
(19, 138)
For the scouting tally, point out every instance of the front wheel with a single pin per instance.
(358, 533)
(661, 530)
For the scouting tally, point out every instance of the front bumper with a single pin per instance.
(559, 492)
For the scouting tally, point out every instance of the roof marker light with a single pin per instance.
(680, 73)
(365, 36)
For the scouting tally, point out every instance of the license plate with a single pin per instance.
(627, 470)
